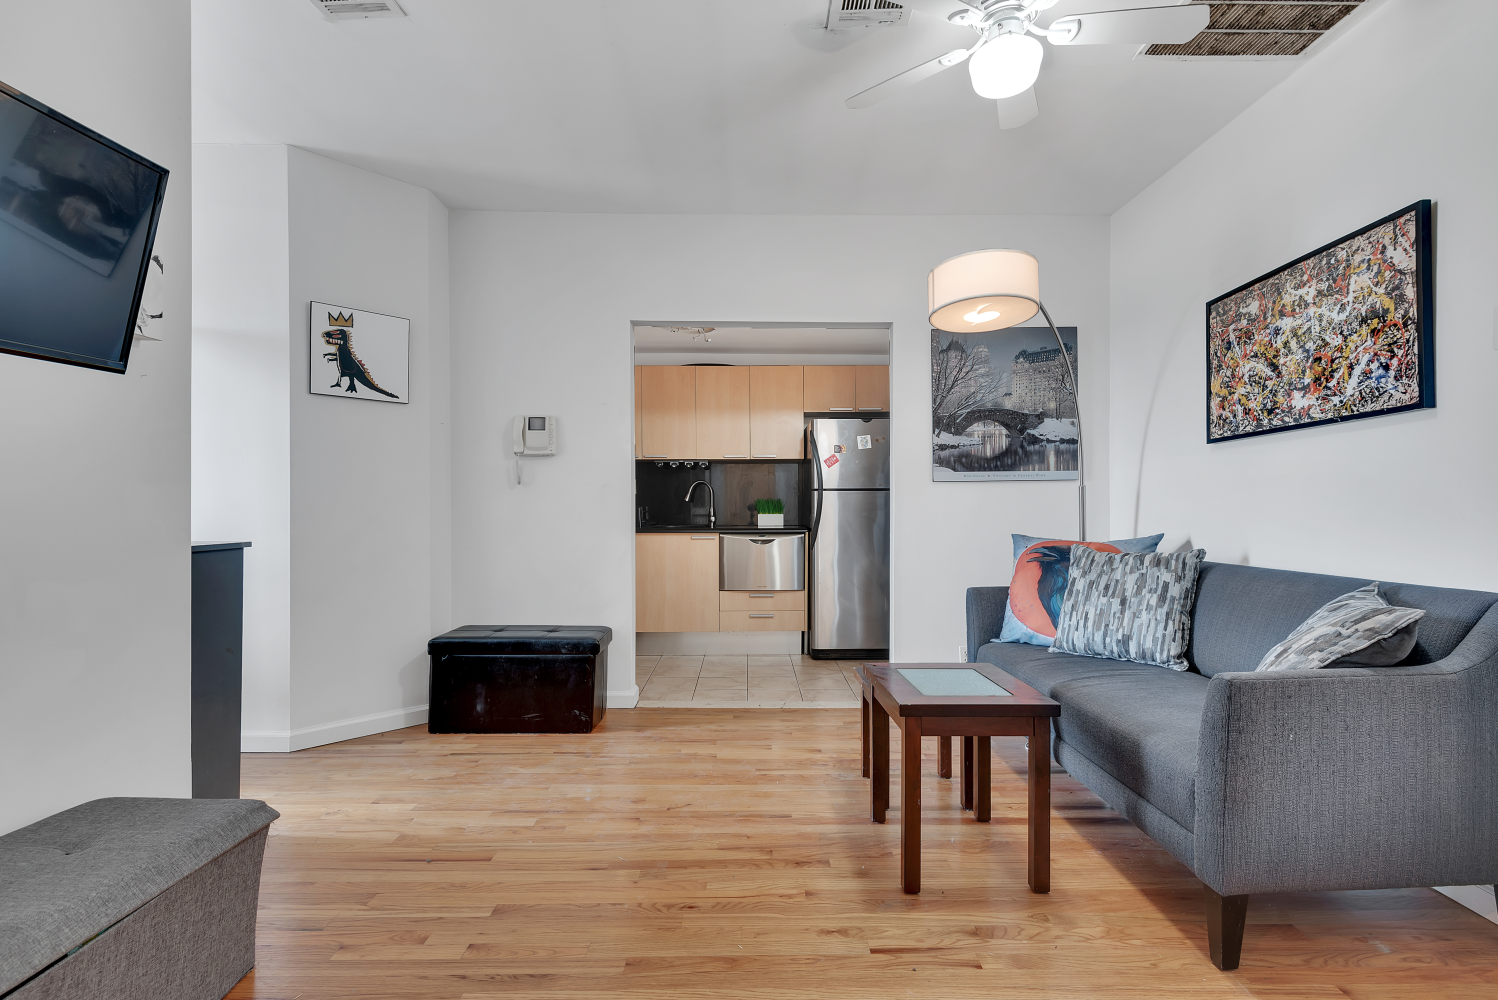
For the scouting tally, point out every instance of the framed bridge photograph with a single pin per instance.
(1346, 331)
(358, 354)
(1001, 405)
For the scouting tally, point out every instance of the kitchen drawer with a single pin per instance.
(762, 600)
(762, 621)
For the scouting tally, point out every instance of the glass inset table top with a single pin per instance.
(941, 683)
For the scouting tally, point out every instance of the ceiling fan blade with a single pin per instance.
(899, 81)
(1017, 110)
(1139, 26)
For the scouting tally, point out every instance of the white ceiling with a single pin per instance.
(780, 341)
(700, 106)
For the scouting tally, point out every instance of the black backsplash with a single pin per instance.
(659, 489)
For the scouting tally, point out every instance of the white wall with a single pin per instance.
(95, 594)
(1390, 113)
(365, 541)
(345, 500)
(241, 392)
(542, 306)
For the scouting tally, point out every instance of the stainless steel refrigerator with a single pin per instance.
(849, 509)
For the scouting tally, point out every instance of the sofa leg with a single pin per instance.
(1225, 919)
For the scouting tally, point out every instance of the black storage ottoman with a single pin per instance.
(518, 679)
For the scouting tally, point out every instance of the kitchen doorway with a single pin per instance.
(762, 489)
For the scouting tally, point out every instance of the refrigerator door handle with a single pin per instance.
(816, 459)
(816, 517)
(816, 494)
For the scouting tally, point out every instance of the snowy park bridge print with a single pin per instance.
(1002, 405)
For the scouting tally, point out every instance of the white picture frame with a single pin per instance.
(367, 355)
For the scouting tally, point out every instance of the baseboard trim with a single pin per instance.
(288, 741)
(1477, 898)
(623, 699)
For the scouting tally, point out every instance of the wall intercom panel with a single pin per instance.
(535, 435)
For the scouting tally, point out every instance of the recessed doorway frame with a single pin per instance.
(887, 326)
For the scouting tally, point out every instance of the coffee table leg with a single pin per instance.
(967, 772)
(944, 756)
(878, 761)
(910, 805)
(983, 785)
(1040, 806)
(863, 704)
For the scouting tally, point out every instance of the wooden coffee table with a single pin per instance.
(946, 700)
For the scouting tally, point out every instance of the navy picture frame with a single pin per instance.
(1425, 306)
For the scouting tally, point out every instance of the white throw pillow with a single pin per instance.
(1359, 629)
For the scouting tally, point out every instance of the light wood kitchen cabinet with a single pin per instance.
(762, 600)
(676, 582)
(722, 412)
(871, 387)
(638, 449)
(762, 621)
(828, 387)
(668, 412)
(775, 406)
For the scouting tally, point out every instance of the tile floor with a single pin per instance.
(740, 681)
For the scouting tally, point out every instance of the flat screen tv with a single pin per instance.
(78, 216)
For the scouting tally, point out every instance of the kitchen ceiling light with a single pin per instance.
(988, 290)
(1006, 66)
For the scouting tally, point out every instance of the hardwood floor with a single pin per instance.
(728, 853)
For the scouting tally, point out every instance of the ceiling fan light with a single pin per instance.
(1006, 66)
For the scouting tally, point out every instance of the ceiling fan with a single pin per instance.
(1005, 62)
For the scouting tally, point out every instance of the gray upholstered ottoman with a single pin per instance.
(132, 898)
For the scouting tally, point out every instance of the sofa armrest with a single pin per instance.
(1352, 778)
(985, 616)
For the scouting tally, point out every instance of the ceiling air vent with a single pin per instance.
(350, 10)
(844, 15)
(1259, 29)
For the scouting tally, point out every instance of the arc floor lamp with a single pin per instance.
(989, 290)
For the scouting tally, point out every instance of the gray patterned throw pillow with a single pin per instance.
(1129, 606)
(1359, 629)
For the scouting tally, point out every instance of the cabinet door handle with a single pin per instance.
(871, 407)
(735, 456)
(839, 409)
(655, 456)
(763, 456)
(704, 538)
(761, 616)
(761, 595)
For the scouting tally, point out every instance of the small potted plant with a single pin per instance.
(769, 513)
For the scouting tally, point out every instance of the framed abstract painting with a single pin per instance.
(1347, 331)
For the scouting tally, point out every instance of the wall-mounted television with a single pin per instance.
(78, 216)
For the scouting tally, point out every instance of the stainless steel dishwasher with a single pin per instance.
(762, 561)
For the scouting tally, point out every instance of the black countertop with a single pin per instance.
(728, 529)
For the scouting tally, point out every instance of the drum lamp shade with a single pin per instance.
(984, 290)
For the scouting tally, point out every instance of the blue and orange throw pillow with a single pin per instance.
(1041, 569)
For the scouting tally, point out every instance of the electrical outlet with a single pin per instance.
(961, 654)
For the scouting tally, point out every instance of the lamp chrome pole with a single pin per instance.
(1076, 398)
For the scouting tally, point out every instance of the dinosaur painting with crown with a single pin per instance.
(340, 338)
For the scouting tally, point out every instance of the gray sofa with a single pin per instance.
(1361, 778)
(132, 899)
